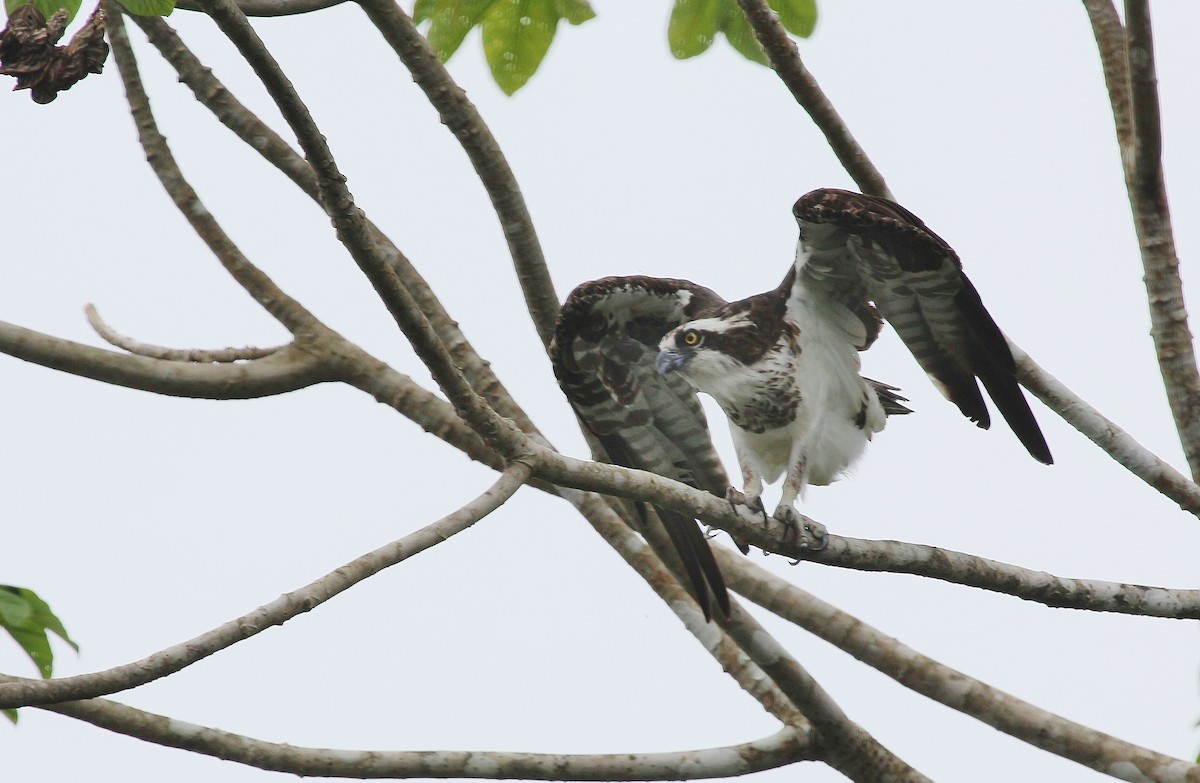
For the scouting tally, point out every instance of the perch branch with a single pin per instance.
(860, 554)
(180, 656)
(1031, 724)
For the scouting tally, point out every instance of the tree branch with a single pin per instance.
(269, 296)
(355, 235)
(1119, 444)
(269, 7)
(891, 556)
(195, 355)
(461, 117)
(1031, 724)
(1127, 58)
(785, 59)
(212, 94)
(24, 692)
(294, 367)
(771, 752)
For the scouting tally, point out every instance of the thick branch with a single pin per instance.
(291, 368)
(463, 120)
(1152, 219)
(1024, 721)
(891, 556)
(35, 692)
(785, 59)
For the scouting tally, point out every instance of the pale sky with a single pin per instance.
(146, 520)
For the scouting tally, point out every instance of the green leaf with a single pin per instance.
(450, 21)
(799, 17)
(574, 11)
(740, 35)
(694, 25)
(423, 10)
(28, 626)
(10, 714)
(148, 7)
(516, 36)
(47, 7)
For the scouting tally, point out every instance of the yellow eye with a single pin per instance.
(691, 338)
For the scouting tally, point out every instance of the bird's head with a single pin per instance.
(695, 350)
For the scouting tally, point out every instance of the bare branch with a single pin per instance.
(1152, 219)
(294, 367)
(197, 355)
(212, 94)
(286, 310)
(1110, 40)
(35, 692)
(1119, 444)
(463, 120)
(270, 7)
(843, 744)
(1024, 721)
(891, 556)
(771, 752)
(785, 59)
(355, 235)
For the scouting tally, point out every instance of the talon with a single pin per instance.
(710, 533)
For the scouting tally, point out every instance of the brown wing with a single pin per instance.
(861, 249)
(605, 344)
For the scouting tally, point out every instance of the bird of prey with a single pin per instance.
(630, 353)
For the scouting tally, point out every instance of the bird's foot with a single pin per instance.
(807, 533)
(750, 509)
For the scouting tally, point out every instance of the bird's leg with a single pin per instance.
(752, 486)
(815, 536)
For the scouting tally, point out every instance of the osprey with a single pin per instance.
(630, 353)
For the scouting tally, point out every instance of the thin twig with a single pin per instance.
(785, 59)
(195, 355)
(1119, 444)
(1034, 725)
(289, 605)
(770, 752)
(294, 367)
(463, 120)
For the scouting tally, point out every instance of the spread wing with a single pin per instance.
(859, 249)
(605, 344)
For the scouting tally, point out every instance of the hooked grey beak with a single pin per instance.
(670, 360)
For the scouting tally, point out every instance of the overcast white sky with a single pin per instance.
(146, 520)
